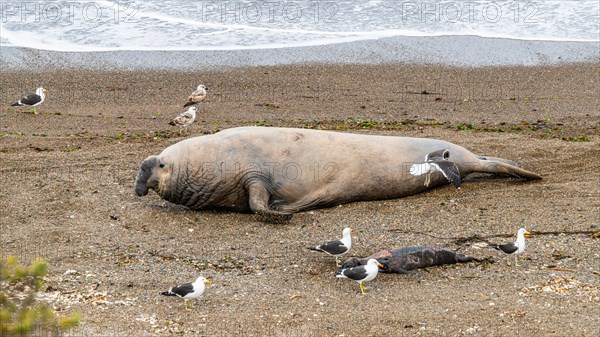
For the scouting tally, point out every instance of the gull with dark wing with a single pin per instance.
(437, 161)
(361, 274)
(336, 248)
(513, 248)
(188, 291)
(32, 100)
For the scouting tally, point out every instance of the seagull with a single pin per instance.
(32, 99)
(197, 96)
(513, 248)
(437, 161)
(185, 119)
(336, 248)
(188, 291)
(361, 274)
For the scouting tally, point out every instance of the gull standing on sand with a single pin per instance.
(513, 248)
(197, 96)
(361, 274)
(32, 100)
(188, 291)
(185, 119)
(336, 248)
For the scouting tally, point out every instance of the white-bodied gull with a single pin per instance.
(32, 100)
(336, 248)
(188, 291)
(360, 274)
(513, 248)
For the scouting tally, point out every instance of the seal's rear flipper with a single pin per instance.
(503, 166)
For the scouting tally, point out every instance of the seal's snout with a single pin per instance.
(140, 190)
(144, 175)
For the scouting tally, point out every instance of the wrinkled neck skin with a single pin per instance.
(199, 186)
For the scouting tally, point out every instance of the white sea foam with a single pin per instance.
(230, 25)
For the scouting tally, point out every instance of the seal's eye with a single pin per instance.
(161, 165)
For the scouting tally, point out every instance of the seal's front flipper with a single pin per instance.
(460, 258)
(259, 203)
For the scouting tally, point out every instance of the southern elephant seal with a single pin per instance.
(405, 260)
(275, 172)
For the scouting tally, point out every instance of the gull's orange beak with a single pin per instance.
(380, 265)
(45, 90)
(207, 282)
(527, 234)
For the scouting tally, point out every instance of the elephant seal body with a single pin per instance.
(275, 172)
(405, 260)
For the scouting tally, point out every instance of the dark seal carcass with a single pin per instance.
(405, 260)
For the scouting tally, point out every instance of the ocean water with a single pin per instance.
(80, 26)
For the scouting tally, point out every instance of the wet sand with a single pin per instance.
(458, 51)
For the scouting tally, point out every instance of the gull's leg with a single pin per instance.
(185, 302)
(337, 262)
(427, 179)
(516, 261)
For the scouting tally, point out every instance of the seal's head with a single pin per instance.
(153, 174)
(384, 265)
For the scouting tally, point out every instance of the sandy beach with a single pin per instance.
(67, 195)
